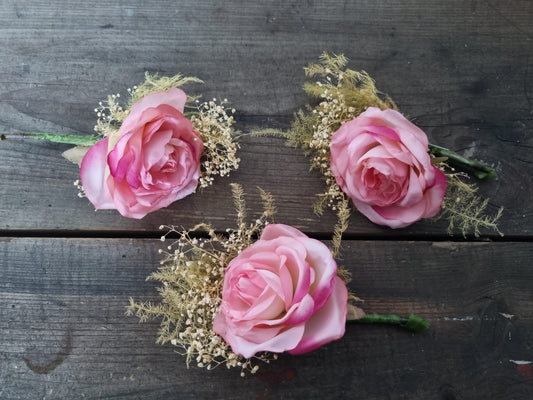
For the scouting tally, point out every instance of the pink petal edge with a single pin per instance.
(94, 173)
(328, 323)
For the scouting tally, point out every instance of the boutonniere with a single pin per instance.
(374, 158)
(258, 290)
(156, 149)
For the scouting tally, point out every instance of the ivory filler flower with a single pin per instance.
(151, 153)
(235, 300)
(373, 157)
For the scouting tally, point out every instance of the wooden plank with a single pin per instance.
(40, 195)
(459, 69)
(64, 333)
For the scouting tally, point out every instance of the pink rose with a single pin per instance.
(381, 161)
(282, 294)
(152, 161)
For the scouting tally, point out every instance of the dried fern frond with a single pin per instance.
(465, 210)
(155, 83)
(327, 64)
(192, 277)
(269, 209)
(270, 132)
(302, 128)
(356, 89)
(239, 203)
(343, 215)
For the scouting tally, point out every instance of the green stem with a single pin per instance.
(481, 171)
(78, 140)
(414, 322)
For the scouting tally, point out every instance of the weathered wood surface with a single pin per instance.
(65, 333)
(460, 69)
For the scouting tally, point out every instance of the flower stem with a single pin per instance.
(414, 322)
(78, 140)
(481, 171)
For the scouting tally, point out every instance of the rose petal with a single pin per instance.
(402, 124)
(301, 311)
(435, 194)
(415, 191)
(121, 156)
(274, 231)
(294, 258)
(318, 255)
(93, 173)
(156, 149)
(328, 323)
(174, 97)
(282, 341)
(384, 131)
(268, 306)
(399, 217)
(324, 267)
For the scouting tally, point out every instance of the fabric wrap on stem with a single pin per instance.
(78, 140)
(480, 170)
(413, 323)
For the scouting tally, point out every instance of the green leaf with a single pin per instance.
(78, 140)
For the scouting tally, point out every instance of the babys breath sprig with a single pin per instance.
(110, 115)
(192, 276)
(214, 123)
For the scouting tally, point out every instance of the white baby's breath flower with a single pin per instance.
(192, 275)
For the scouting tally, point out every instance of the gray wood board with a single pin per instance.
(461, 70)
(62, 304)
(38, 194)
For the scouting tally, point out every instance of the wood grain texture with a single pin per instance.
(62, 305)
(461, 70)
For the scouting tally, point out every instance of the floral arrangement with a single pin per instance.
(245, 295)
(151, 152)
(231, 299)
(373, 157)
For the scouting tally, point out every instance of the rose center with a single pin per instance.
(170, 165)
(383, 185)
